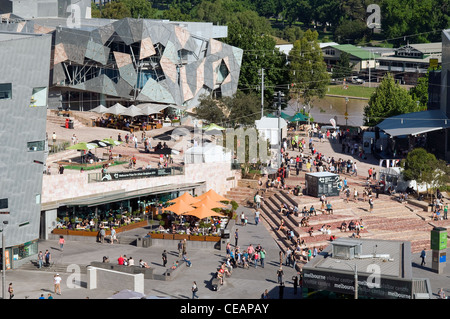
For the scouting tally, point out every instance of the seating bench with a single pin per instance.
(426, 207)
(172, 273)
(148, 272)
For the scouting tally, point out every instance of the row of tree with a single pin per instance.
(344, 20)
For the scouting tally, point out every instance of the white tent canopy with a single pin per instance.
(132, 111)
(150, 108)
(116, 109)
(268, 128)
(208, 153)
(100, 109)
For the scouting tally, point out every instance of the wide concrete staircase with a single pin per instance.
(52, 117)
(241, 195)
(389, 220)
(54, 267)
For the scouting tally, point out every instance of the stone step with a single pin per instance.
(53, 268)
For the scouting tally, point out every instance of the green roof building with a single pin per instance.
(360, 58)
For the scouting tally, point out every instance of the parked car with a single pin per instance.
(356, 80)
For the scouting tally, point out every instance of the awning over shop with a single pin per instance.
(105, 198)
(415, 123)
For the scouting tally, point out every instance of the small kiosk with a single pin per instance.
(322, 183)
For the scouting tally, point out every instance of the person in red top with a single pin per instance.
(120, 260)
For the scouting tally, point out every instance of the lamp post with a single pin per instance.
(5, 222)
(355, 270)
(346, 112)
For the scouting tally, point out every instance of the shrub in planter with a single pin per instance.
(197, 237)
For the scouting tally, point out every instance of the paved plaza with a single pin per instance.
(243, 284)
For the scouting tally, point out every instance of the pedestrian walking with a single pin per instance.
(48, 258)
(262, 256)
(256, 258)
(102, 235)
(280, 275)
(113, 236)
(57, 284)
(257, 217)
(236, 237)
(370, 204)
(61, 243)
(164, 258)
(184, 247)
(288, 257)
(423, 255)
(194, 290)
(40, 259)
(242, 219)
(180, 249)
(11, 290)
(257, 200)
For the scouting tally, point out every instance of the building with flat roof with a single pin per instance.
(382, 269)
(24, 61)
(409, 62)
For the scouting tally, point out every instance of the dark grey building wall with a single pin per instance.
(24, 61)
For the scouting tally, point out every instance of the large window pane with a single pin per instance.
(5, 91)
(36, 146)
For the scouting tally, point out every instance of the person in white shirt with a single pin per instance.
(57, 284)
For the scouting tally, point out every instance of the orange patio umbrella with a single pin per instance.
(213, 195)
(186, 197)
(179, 208)
(203, 212)
(209, 203)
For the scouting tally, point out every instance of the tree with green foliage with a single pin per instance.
(244, 108)
(237, 110)
(112, 10)
(415, 21)
(120, 9)
(424, 168)
(350, 31)
(297, 10)
(140, 9)
(211, 110)
(343, 67)
(389, 99)
(251, 33)
(419, 92)
(327, 12)
(307, 70)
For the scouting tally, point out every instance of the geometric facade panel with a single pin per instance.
(150, 60)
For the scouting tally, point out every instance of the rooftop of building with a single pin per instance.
(8, 36)
(355, 51)
(388, 255)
